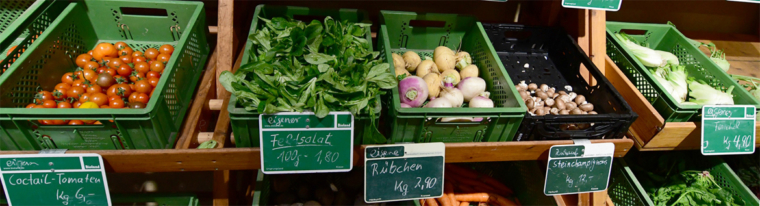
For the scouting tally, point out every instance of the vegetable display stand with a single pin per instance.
(550, 56)
(80, 27)
(19, 19)
(747, 168)
(146, 198)
(650, 131)
(245, 123)
(698, 65)
(627, 186)
(398, 34)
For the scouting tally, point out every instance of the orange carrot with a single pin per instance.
(461, 171)
(483, 204)
(496, 184)
(477, 184)
(466, 189)
(445, 200)
(448, 188)
(422, 202)
(499, 200)
(431, 202)
(472, 197)
(464, 204)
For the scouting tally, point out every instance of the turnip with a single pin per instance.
(453, 74)
(481, 101)
(434, 85)
(398, 61)
(412, 60)
(413, 91)
(471, 87)
(404, 105)
(425, 67)
(463, 60)
(469, 71)
(439, 103)
(444, 58)
(400, 71)
(453, 95)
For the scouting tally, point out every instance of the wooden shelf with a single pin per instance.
(174, 160)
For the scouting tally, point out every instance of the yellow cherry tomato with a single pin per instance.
(89, 105)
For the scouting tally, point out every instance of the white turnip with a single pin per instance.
(481, 101)
(463, 60)
(438, 103)
(453, 95)
(412, 60)
(451, 73)
(444, 58)
(426, 67)
(413, 91)
(400, 71)
(404, 105)
(469, 71)
(471, 87)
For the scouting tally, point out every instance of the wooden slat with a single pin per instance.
(566, 200)
(221, 132)
(221, 188)
(609, 201)
(598, 38)
(225, 43)
(599, 198)
(584, 199)
(195, 120)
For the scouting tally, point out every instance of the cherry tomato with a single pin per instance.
(42, 96)
(92, 66)
(76, 104)
(133, 96)
(99, 98)
(87, 74)
(126, 59)
(157, 66)
(66, 78)
(137, 54)
(137, 105)
(139, 59)
(166, 49)
(121, 90)
(60, 93)
(112, 98)
(143, 97)
(49, 104)
(105, 106)
(58, 122)
(85, 97)
(82, 59)
(64, 104)
(112, 72)
(32, 105)
(143, 86)
(136, 76)
(151, 53)
(118, 103)
(163, 58)
(132, 86)
(153, 81)
(77, 83)
(152, 74)
(90, 53)
(10, 50)
(126, 52)
(45, 122)
(142, 67)
(120, 45)
(39, 107)
(115, 63)
(63, 86)
(104, 50)
(124, 70)
(106, 61)
(75, 92)
(101, 70)
(95, 89)
(76, 122)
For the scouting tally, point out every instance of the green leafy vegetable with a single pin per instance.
(320, 67)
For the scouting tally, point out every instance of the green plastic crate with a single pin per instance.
(79, 28)
(423, 124)
(625, 189)
(142, 199)
(245, 123)
(698, 65)
(18, 19)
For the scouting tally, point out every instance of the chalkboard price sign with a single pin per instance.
(728, 129)
(578, 168)
(403, 172)
(302, 143)
(607, 5)
(54, 179)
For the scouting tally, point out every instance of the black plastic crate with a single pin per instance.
(554, 58)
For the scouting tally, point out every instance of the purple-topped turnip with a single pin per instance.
(413, 91)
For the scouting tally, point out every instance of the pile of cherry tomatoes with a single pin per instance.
(109, 76)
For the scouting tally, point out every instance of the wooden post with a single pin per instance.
(598, 41)
(221, 188)
(225, 43)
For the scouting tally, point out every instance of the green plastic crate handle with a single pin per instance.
(148, 12)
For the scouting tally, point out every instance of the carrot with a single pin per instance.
(431, 202)
(477, 184)
(445, 200)
(496, 184)
(448, 188)
(482, 204)
(422, 202)
(466, 189)
(499, 200)
(464, 204)
(461, 171)
(472, 197)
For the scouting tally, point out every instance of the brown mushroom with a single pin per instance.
(592, 112)
(544, 87)
(560, 104)
(525, 95)
(554, 111)
(532, 86)
(540, 112)
(549, 102)
(530, 103)
(564, 112)
(570, 105)
(576, 111)
(541, 94)
(562, 92)
(564, 97)
(580, 99)
(586, 107)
